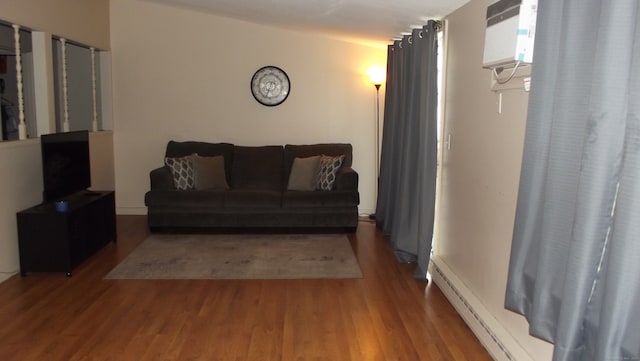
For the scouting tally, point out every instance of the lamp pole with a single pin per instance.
(377, 147)
(377, 78)
(377, 133)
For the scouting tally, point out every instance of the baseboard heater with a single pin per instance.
(500, 345)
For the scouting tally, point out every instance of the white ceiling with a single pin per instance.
(370, 20)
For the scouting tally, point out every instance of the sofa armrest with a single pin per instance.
(346, 179)
(161, 178)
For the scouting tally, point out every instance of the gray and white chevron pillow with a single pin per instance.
(182, 171)
(328, 168)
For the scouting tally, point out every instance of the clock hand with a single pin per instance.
(270, 87)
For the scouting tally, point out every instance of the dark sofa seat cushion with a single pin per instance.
(257, 168)
(314, 199)
(178, 199)
(253, 198)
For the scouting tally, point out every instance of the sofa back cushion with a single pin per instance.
(205, 149)
(292, 152)
(257, 168)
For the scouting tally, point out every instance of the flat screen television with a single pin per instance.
(66, 168)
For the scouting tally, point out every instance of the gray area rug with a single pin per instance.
(234, 256)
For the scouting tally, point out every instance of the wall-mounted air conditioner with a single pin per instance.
(510, 33)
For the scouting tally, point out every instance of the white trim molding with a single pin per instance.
(493, 336)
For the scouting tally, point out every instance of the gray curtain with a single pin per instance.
(406, 193)
(575, 259)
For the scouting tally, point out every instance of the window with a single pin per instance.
(77, 86)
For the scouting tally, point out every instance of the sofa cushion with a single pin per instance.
(328, 168)
(252, 198)
(304, 174)
(313, 199)
(209, 172)
(205, 149)
(257, 168)
(182, 172)
(180, 199)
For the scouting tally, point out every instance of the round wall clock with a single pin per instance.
(270, 85)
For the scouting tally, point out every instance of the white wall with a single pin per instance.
(21, 180)
(21, 184)
(101, 154)
(86, 22)
(480, 178)
(183, 75)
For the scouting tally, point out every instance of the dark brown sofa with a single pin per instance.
(258, 194)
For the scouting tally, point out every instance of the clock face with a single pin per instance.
(270, 85)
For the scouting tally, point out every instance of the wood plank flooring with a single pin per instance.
(387, 315)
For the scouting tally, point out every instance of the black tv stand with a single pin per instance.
(52, 241)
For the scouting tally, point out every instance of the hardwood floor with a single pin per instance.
(387, 315)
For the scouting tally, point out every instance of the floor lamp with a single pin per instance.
(377, 77)
(377, 85)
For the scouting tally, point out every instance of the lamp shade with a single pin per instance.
(377, 74)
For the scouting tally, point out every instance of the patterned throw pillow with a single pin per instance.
(182, 171)
(328, 168)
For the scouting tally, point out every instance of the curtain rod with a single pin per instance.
(437, 25)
